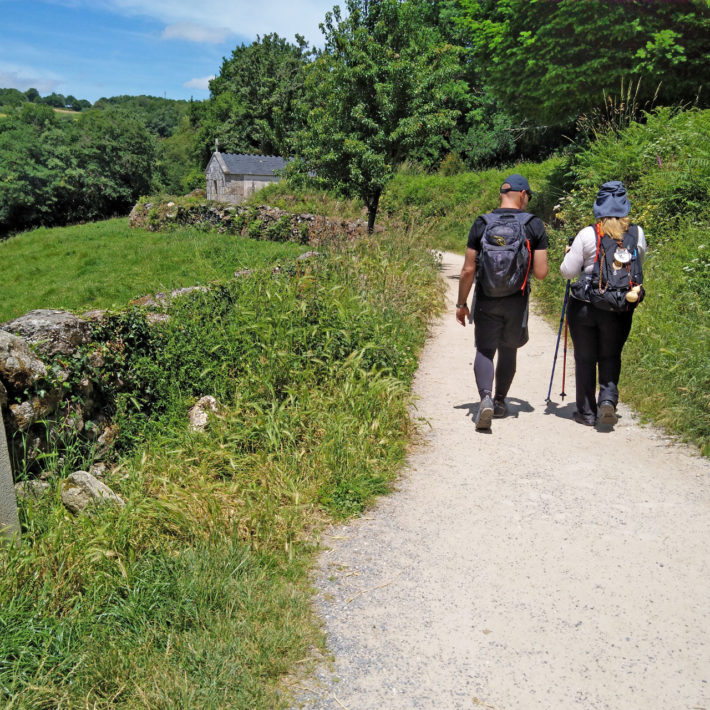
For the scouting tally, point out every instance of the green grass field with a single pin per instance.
(445, 206)
(106, 264)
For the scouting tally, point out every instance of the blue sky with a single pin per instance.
(95, 48)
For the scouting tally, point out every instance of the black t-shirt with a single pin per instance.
(534, 229)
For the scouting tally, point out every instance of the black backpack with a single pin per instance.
(505, 257)
(613, 276)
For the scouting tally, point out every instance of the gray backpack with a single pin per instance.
(505, 257)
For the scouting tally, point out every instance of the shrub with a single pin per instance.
(664, 163)
(451, 165)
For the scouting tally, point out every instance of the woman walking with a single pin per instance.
(608, 257)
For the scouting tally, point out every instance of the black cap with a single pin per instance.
(516, 183)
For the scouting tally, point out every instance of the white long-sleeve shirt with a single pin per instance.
(581, 255)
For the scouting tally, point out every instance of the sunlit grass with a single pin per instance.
(106, 264)
(445, 206)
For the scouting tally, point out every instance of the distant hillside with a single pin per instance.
(160, 116)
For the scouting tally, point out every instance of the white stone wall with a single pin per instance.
(215, 180)
(232, 188)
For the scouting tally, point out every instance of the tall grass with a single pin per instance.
(286, 196)
(195, 594)
(105, 264)
(445, 206)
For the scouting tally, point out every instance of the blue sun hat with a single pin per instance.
(611, 200)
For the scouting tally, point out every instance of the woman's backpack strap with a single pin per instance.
(631, 237)
(598, 231)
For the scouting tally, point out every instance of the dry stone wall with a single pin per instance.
(258, 222)
(42, 400)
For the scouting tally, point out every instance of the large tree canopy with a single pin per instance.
(160, 116)
(382, 87)
(251, 104)
(548, 61)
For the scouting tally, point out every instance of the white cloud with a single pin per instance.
(195, 33)
(203, 83)
(244, 18)
(24, 78)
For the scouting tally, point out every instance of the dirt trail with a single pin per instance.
(519, 569)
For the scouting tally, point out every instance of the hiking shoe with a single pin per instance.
(607, 414)
(484, 414)
(587, 420)
(499, 407)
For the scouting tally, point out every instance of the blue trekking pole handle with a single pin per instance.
(559, 333)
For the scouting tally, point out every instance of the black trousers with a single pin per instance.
(598, 337)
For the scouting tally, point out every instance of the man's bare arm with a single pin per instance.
(540, 265)
(468, 274)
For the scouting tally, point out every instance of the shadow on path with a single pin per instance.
(515, 407)
(563, 411)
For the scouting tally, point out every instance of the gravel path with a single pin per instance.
(542, 565)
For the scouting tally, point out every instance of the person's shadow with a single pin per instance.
(563, 411)
(567, 410)
(515, 407)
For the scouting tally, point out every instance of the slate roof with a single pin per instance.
(251, 164)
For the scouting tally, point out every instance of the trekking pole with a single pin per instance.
(563, 394)
(559, 333)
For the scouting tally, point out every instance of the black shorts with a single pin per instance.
(501, 322)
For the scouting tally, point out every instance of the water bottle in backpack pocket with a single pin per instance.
(505, 257)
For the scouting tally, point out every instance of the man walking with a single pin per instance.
(505, 246)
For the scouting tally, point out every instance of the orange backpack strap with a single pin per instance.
(600, 234)
(527, 273)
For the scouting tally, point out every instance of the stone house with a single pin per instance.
(232, 177)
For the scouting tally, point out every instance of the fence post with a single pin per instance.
(9, 522)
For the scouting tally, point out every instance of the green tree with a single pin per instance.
(548, 61)
(251, 108)
(160, 116)
(55, 172)
(383, 87)
(11, 97)
(75, 104)
(55, 100)
(110, 163)
(26, 197)
(33, 95)
(179, 159)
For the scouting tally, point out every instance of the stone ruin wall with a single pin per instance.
(37, 407)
